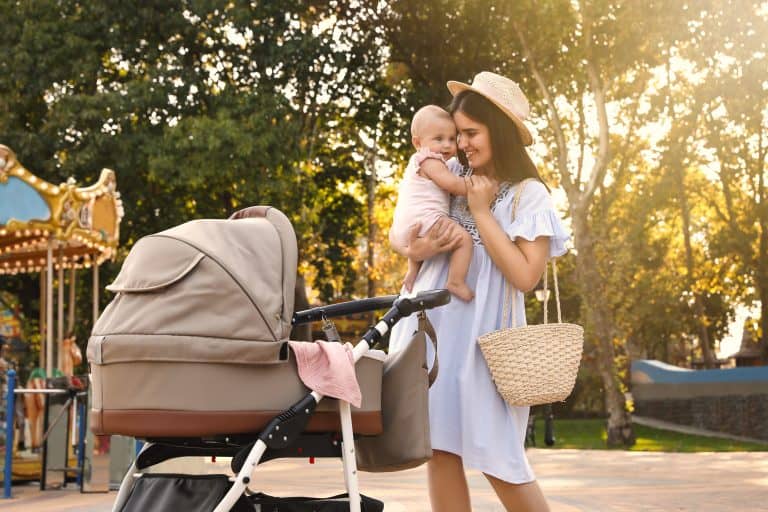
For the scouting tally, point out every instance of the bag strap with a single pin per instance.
(510, 297)
(426, 326)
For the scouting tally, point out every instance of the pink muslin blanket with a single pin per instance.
(328, 368)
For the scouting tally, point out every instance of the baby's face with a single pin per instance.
(439, 136)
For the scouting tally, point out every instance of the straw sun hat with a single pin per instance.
(502, 92)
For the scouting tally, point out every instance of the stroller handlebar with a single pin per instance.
(423, 300)
(406, 305)
(343, 308)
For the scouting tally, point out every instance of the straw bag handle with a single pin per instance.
(546, 296)
(510, 297)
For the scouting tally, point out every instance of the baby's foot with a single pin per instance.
(461, 290)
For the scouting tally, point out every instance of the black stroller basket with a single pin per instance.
(284, 436)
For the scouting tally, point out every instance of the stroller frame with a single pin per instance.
(287, 427)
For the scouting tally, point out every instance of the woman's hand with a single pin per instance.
(481, 191)
(443, 236)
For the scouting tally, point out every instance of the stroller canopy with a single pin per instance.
(220, 269)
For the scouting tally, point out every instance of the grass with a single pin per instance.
(591, 435)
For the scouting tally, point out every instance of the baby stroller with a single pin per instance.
(192, 356)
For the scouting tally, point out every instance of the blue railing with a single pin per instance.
(10, 405)
(10, 417)
(652, 371)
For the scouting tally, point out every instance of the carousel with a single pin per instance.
(54, 231)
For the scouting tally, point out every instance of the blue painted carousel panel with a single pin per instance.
(20, 201)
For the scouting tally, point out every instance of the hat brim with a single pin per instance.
(457, 87)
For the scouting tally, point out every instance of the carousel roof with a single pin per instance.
(82, 224)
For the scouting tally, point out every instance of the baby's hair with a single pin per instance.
(423, 114)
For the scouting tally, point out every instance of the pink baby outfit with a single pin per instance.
(419, 199)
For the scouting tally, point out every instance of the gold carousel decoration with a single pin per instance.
(47, 228)
(54, 230)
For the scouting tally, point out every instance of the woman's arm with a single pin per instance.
(522, 262)
(439, 173)
(443, 236)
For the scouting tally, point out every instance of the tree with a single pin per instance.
(575, 59)
(728, 51)
(201, 107)
(613, 48)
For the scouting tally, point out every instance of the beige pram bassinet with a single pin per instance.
(194, 346)
(198, 329)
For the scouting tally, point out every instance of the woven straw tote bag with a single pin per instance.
(533, 364)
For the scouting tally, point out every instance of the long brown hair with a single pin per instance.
(511, 161)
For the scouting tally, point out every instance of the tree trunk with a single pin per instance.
(764, 320)
(674, 158)
(761, 282)
(371, 260)
(698, 305)
(302, 332)
(598, 316)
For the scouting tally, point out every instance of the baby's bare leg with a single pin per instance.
(413, 272)
(459, 267)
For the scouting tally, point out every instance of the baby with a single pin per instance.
(424, 194)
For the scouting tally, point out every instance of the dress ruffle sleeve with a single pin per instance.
(536, 216)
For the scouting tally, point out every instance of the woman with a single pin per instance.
(471, 425)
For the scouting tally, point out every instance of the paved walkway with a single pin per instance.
(573, 480)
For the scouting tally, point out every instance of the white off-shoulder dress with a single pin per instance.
(467, 415)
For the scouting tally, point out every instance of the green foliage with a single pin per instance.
(201, 107)
(566, 53)
(590, 435)
(206, 106)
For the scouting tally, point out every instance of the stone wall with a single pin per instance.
(733, 400)
(738, 415)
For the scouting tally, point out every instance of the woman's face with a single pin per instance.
(474, 140)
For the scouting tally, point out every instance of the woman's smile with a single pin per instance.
(475, 141)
